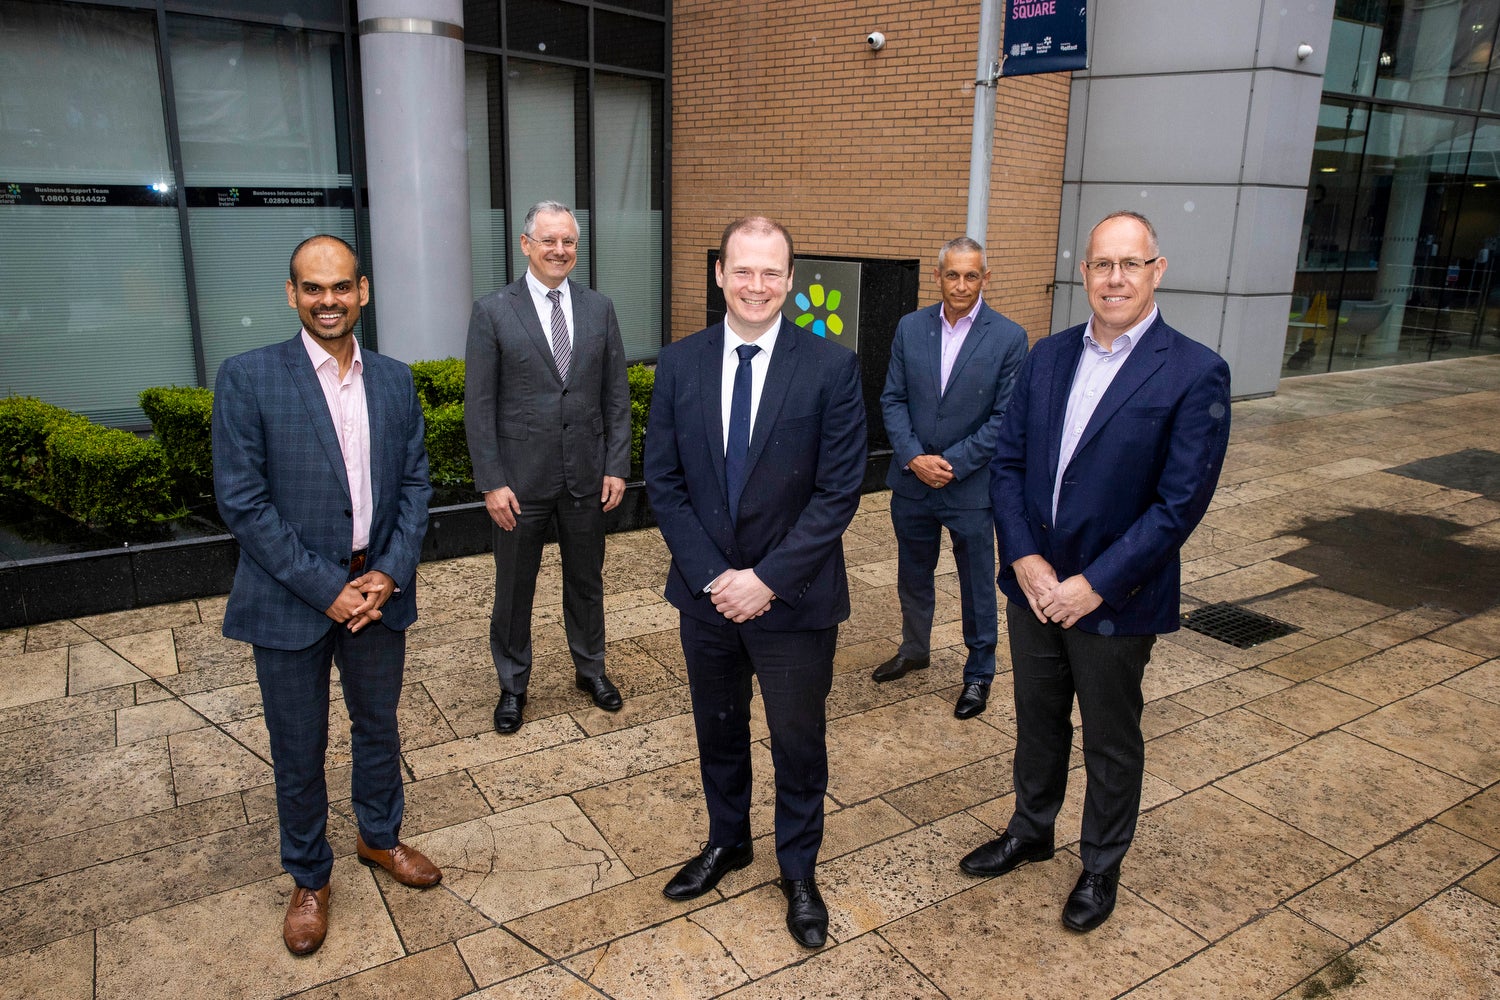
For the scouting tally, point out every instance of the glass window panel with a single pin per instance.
(547, 27)
(260, 110)
(482, 110)
(93, 304)
(627, 207)
(631, 42)
(546, 106)
(482, 23)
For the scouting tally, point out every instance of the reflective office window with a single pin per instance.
(547, 112)
(262, 119)
(628, 205)
(483, 111)
(93, 304)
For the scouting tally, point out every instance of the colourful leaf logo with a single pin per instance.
(826, 302)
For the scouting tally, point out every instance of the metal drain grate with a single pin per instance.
(1236, 626)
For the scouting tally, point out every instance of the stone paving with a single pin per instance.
(1321, 812)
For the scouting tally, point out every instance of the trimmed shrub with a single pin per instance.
(448, 461)
(642, 381)
(107, 477)
(439, 382)
(181, 417)
(25, 424)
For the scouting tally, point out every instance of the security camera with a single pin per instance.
(875, 40)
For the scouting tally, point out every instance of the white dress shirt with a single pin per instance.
(759, 365)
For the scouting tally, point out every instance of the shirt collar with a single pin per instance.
(320, 357)
(540, 290)
(1125, 341)
(766, 341)
(965, 321)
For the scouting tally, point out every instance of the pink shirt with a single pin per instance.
(954, 336)
(351, 422)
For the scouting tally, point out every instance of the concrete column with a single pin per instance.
(412, 68)
(1202, 117)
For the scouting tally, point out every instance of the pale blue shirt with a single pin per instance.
(1097, 368)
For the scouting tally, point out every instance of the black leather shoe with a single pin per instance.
(972, 701)
(508, 712)
(897, 666)
(1004, 853)
(602, 690)
(1091, 901)
(703, 872)
(806, 916)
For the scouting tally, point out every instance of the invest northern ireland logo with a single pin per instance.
(820, 311)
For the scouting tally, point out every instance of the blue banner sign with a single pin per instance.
(1044, 36)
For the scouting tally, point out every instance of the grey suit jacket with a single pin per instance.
(961, 424)
(282, 490)
(527, 428)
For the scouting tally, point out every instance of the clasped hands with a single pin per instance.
(739, 595)
(934, 471)
(359, 603)
(1052, 600)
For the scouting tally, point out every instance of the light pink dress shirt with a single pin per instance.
(351, 422)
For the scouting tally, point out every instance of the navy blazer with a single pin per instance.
(282, 490)
(960, 424)
(527, 429)
(1139, 481)
(804, 471)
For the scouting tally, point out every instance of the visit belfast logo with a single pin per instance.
(820, 311)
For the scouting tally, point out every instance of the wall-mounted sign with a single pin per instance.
(825, 299)
(1045, 36)
(109, 195)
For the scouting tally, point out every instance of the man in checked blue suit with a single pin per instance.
(951, 369)
(321, 475)
(1107, 459)
(755, 454)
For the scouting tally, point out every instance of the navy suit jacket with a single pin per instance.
(804, 471)
(529, 430)
(1139, 481)
(960, 424)
(282, 490)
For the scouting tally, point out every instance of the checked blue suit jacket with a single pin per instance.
(1139, 481)
(282, 490)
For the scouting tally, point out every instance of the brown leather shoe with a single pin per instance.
(407, 865)
(306, 923)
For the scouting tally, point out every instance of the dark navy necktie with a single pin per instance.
(739, 429)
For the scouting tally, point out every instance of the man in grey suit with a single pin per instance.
(950, 375)
(321, 475)
(547, 412)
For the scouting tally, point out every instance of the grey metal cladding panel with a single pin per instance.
(1266, 235)
(1286, 24)
(1069, 235)
(1172, 36)
(1195, 225)
(1254, 338)
(1186, 129)
(1200, 317)
(1283, 124)
(1078, 106)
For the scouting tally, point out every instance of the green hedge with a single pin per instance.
(180, 418)
(112, 478)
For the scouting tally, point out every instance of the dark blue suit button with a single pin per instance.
(344, 562)
(348, 513)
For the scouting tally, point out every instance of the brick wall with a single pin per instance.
(781, 109)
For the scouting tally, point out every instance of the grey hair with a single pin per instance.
(963, 244)
(529, 226)
(1151, 239)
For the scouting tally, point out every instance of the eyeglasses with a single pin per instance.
(1127, 266)
(552, 243)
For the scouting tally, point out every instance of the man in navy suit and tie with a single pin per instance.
(755, 454)
(321, 475)
(547, 413)
(1107, 459)
(951, 369)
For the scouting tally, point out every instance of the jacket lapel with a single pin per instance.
(711, 378)
(978, 330)
(1059, 387)
(301, 372)
(932, 350)
(773, 393)
(1145, 358)
(519, 296)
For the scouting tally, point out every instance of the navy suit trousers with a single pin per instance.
(294, 688)
(919, 527)
(795, 670)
